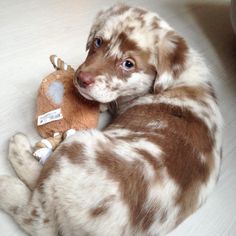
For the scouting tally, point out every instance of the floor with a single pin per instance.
(33, 30)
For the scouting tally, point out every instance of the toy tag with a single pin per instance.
(49, 117)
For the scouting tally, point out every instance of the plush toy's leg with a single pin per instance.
(17, 200)
(22, 160)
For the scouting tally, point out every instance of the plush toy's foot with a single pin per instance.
(103, 107)
(24, 164)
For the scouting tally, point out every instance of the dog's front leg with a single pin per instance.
(25, 165)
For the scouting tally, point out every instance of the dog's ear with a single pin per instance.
(172, 52)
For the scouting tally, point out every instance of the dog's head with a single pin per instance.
(131, 52)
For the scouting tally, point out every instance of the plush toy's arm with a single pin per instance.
(103, 107)
(45, 147)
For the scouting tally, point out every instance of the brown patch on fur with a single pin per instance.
(140, 11)
(155, 24)
(98, 61)
(156, 164)
(198, 94)
(98, 211)
(73, 151)
(194, 93)
(141, 58)
(14, 210)
(102, 207)
(178, 57)
(141, 20)
(50, 166)
(126, 43)
(212, 92)
(149, 217)
(153, 212)
(186, 143)
(28, 221)
(34, 213)
(19, 162)
(43, 202)
(188, 201)
(188, 198)
(45, 221)
(17, 158)
(120, 11)
(182, 160)
(164, 216)
(129, 30)
(183, 130)
(172, 53)
(133, 185)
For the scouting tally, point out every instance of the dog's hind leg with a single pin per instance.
(25, 165)
(17, 200)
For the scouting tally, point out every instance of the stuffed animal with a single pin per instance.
(61, 110)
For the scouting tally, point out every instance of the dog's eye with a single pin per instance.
(97, 42)
(128, 64)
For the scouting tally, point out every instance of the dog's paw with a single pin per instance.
(19, 145)
(103, 107)
(21, 142)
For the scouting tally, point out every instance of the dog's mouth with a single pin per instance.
(84, 94)
(94, 92)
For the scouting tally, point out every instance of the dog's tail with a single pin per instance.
(59, 64)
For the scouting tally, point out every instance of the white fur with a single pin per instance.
(164, 81)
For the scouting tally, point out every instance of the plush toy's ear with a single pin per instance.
(172, 51)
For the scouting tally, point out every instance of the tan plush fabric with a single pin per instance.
(77, 112)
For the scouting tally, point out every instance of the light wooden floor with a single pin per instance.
(32, 30)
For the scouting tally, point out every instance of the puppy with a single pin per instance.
(153, 166)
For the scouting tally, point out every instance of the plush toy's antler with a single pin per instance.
(59, 64)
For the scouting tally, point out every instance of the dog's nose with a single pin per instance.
(84, 79)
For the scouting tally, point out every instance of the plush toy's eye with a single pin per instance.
(97, 42)
(128, 64)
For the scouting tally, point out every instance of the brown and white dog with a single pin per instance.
(153, 166)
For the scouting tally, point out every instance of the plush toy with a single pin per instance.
(61, 110)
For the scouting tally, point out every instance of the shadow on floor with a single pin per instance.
(214, 20)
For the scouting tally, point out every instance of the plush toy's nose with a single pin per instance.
(84, 79)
